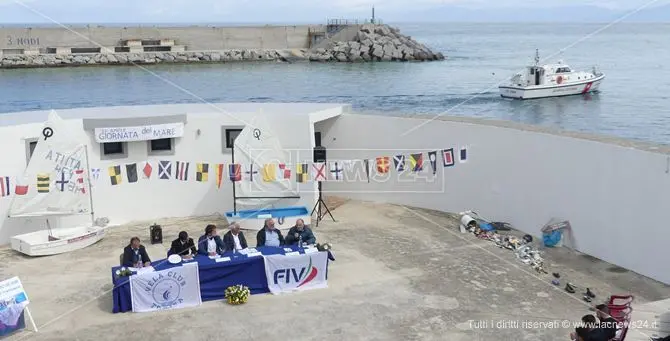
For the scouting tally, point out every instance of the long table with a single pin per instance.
(214, 277)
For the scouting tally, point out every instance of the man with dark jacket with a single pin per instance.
(183, 246)
(300, 232)
(234, 239)
(269, 235)
(210, 244)
(135, 255)
(607, 323)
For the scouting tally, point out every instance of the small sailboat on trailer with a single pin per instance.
(551, 80)
(55, 185)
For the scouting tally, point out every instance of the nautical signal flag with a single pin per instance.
(62, 182)
(464, 155)
(399, 163)
(202, 172)
(319, 171)
(4, 186)
(219, 174)
(235, 172)
(21, 190)
(416, 161)
(283, 172)
(147, 169)
(43, 183)
(302, 173)
(383, 164)
(96, 173)
(131, 172)
(269, 172)
(251, 172)
(181, 170)
(114, 174)
(448, 157)
(432, 157)
(335, 170)
(164, 169)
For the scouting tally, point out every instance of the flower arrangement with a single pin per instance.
(123, 272)
(323, 247)
(237, 294)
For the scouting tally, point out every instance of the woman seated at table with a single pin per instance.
(234, 239)
(210, 244)
(135, 255)
(183, 246)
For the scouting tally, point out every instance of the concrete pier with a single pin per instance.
(52, 47)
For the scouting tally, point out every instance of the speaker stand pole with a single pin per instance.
(317, 208)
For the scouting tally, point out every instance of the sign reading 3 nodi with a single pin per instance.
(140, 133)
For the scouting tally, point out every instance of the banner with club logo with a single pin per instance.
(174, 288)
(294, 273)
(13, 301)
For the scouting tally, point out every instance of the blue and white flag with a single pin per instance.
(174, 288)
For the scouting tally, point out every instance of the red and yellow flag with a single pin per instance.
(383, 164)
(219, 175)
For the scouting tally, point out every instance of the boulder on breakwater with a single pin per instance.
(380, 43)
(372, 43)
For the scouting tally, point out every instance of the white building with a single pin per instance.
(206, 137)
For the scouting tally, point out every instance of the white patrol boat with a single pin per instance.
(551, 80)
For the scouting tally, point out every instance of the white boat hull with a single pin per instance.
(533, 92)
(69, 239)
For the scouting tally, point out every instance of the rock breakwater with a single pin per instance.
(372, 43)
(376, 43)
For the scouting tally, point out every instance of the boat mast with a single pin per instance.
(88, 179)
(537, 57)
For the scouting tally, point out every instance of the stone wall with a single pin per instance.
(371, 43)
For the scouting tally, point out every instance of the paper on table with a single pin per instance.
(222, 259)
(288, 249)
(145, 270)
(214, 257)
(310, 250)
(294, 253)
(243, 251)
(252, 250)
(254, 254)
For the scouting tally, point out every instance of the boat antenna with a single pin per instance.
(537, 57)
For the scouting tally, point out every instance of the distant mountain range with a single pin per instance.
(448, 13)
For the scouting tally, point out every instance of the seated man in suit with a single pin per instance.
(183, 246)
(135, 255)
(300, 232)
(210, 244)
(269, 235)
(234, 239)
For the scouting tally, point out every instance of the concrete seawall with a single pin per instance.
(364, 43)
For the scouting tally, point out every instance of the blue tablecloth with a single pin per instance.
(214, 277)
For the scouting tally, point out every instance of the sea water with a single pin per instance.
(633, 102)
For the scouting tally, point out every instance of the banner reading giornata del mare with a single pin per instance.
(13, 300)
(139, 133)
(174, 288)
(293, 273)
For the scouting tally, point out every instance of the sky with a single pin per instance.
(285, 11)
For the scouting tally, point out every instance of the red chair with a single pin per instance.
(621, 300)
(621, 310)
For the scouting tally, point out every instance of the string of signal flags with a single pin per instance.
(304, 172)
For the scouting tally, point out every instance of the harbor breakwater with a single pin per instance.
(371, 43)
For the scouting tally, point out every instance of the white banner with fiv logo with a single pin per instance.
(300, 272)
(174, 288)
